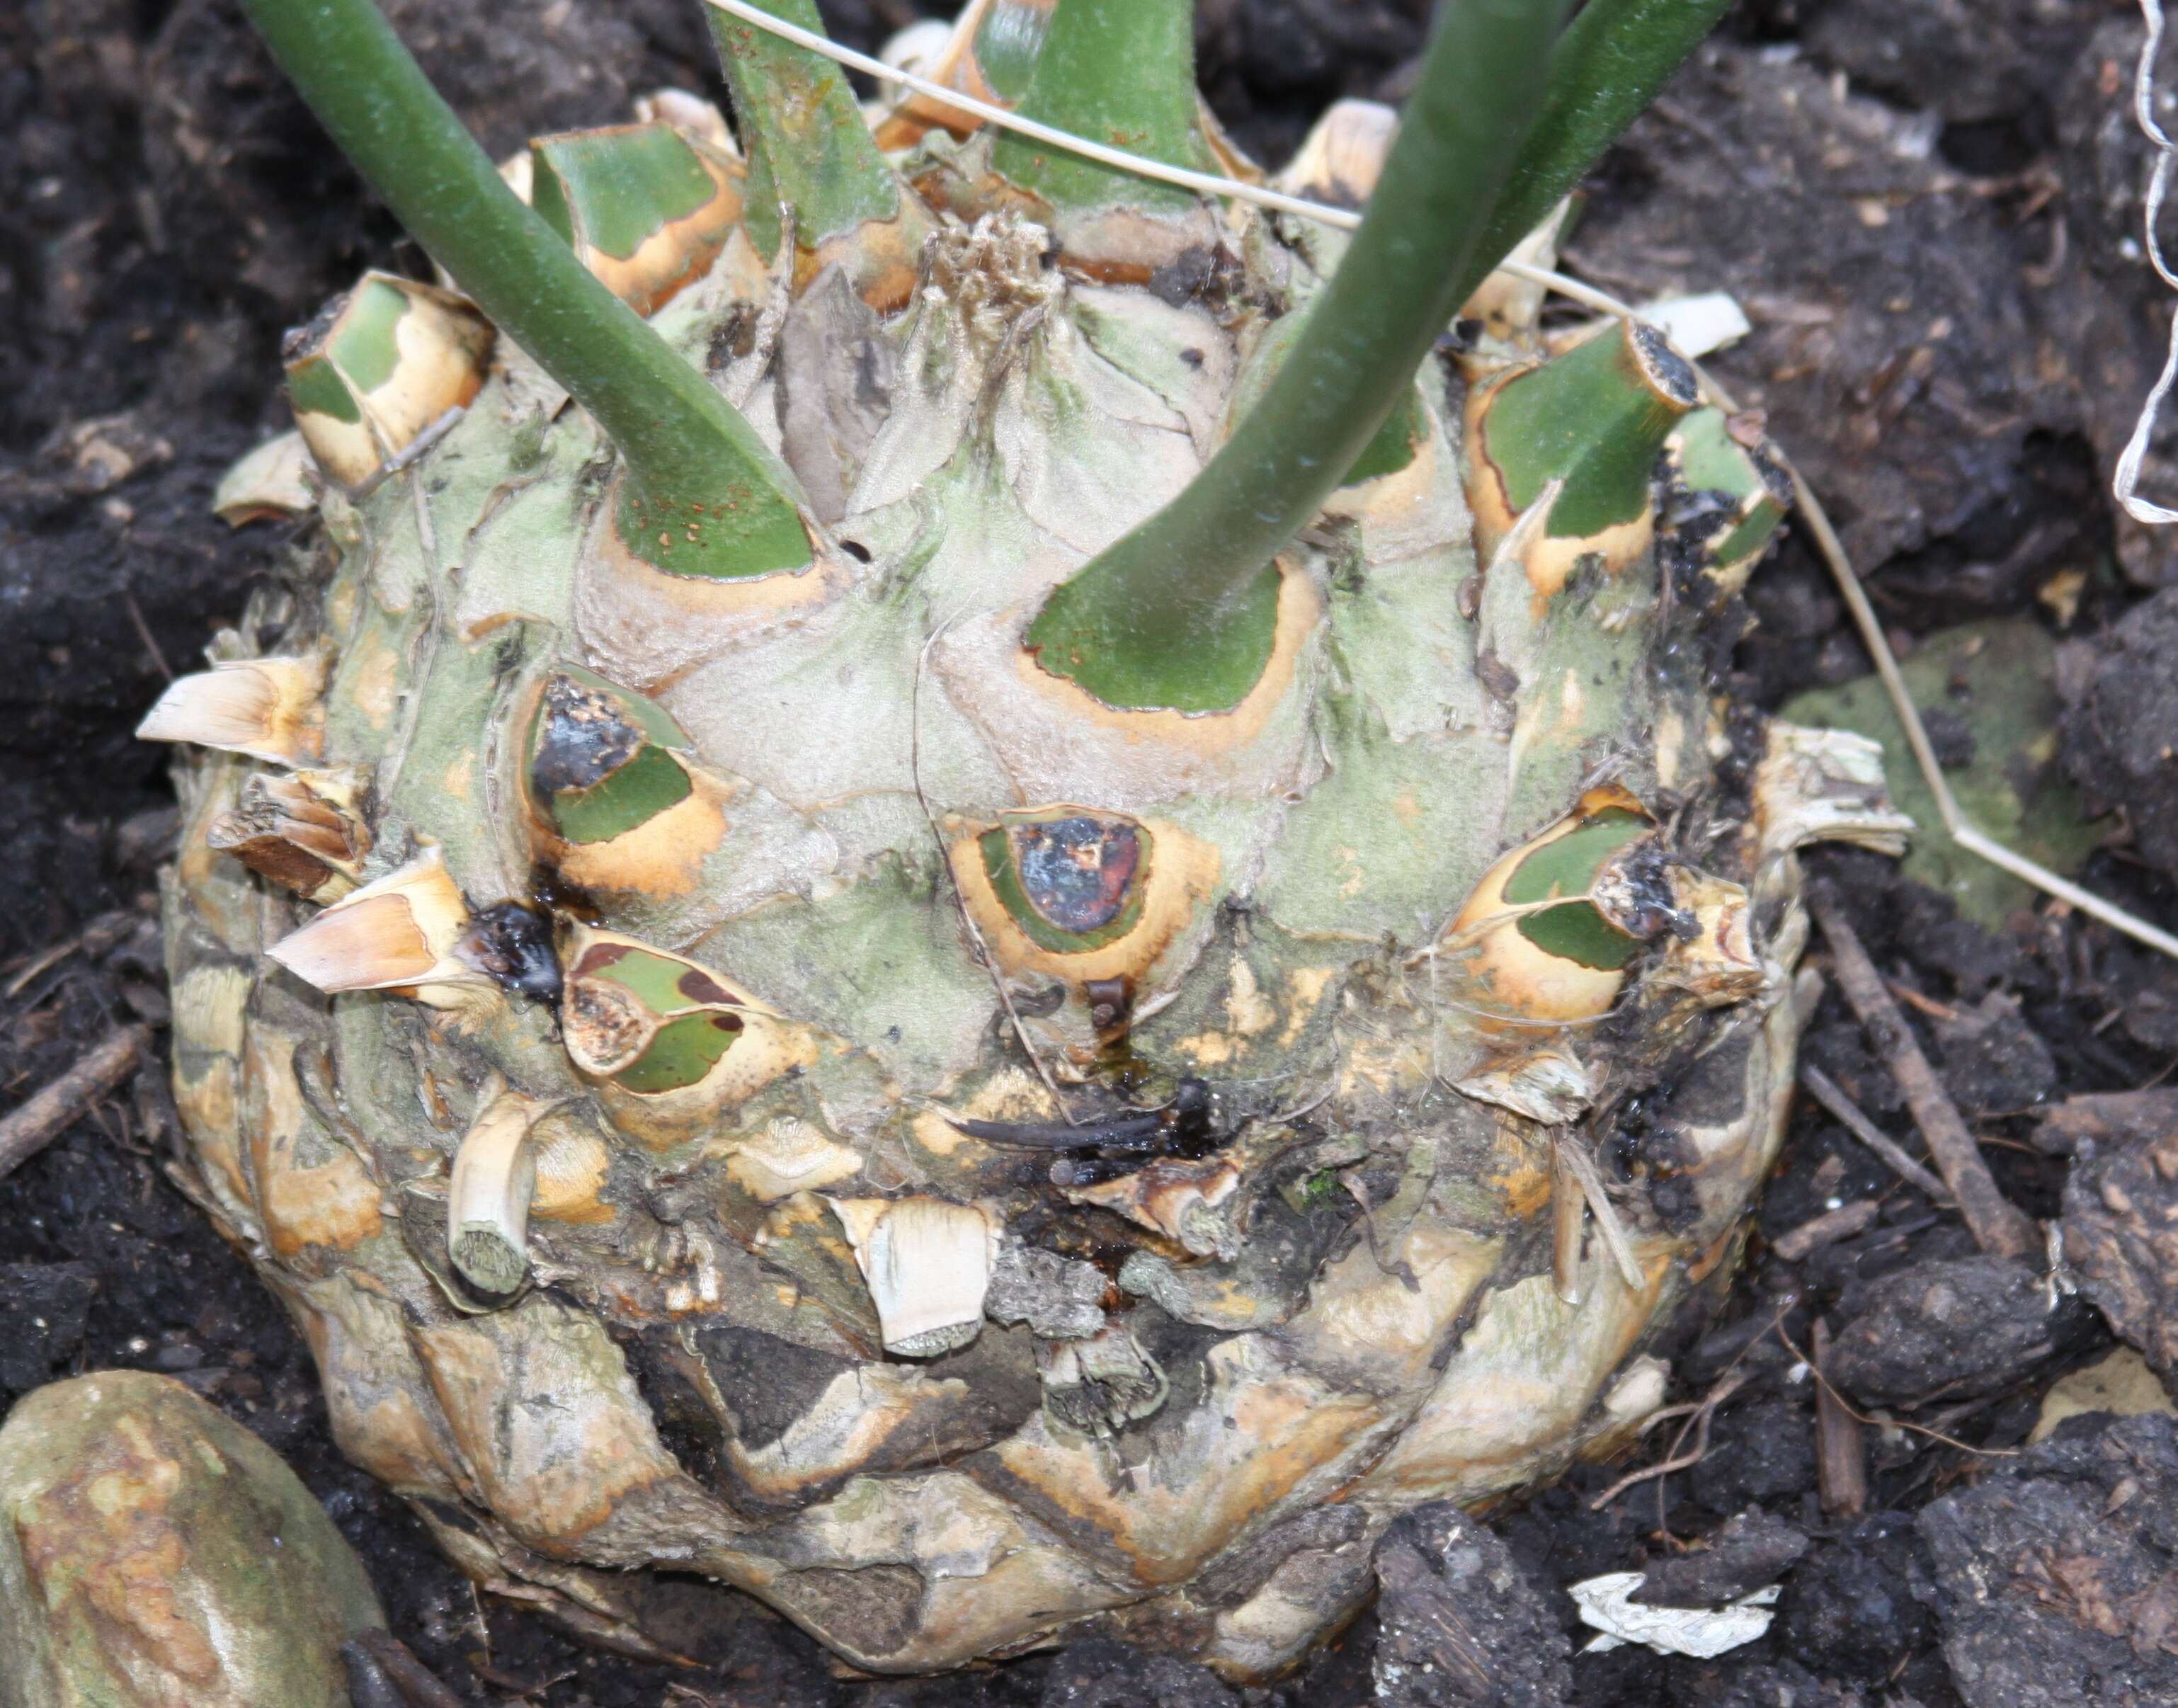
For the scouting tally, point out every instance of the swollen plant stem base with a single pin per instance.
(996, 1164)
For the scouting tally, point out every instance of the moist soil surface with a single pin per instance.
(1929, 212)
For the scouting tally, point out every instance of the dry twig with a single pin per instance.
(1841, 1223)
(1831, 1096)
(46, 1113)
(1998, 1225)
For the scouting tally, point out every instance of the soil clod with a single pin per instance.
(2121, 1231)
(1752, 1550)
(2056, 1578)
(1942, 1330)
(1461, 1625)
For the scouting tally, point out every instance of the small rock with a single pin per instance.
(153, 1552)
(2054, 1576)
(1749, 1552)
(42, 1308)
(1459, 1624)
(1949, 1328)
(1101, 1672)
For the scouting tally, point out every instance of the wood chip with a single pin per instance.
(46, 1113)
(1832, 1225)
(1841, 1454)
(1998, 1225)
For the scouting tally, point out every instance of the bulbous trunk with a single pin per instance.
(757, 1075)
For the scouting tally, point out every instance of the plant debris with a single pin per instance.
(1607, 1603)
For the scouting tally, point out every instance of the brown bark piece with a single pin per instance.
(1841, 1455)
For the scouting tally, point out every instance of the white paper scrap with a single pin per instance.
(1701, 1632)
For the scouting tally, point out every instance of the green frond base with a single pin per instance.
(1206, 660)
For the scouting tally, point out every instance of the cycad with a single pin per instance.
(902, 955)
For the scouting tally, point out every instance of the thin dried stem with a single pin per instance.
(1997, 1225)
(46, 1113)
(1831, 1096)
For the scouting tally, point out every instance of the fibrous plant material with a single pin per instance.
(775, 1000)
(301, 829)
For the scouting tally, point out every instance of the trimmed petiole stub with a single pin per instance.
(488, 1196)
(1180, 612)
(809, 151)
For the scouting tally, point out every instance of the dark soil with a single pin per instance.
(1926, 207)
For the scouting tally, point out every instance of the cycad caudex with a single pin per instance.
(1107, 818)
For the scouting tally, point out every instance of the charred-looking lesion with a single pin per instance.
(1107, 908)
(584, 738)
(618, 796)
(1072, 880)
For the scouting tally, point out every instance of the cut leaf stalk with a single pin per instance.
(1180, 612)
(809, 151)
(702, 496)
